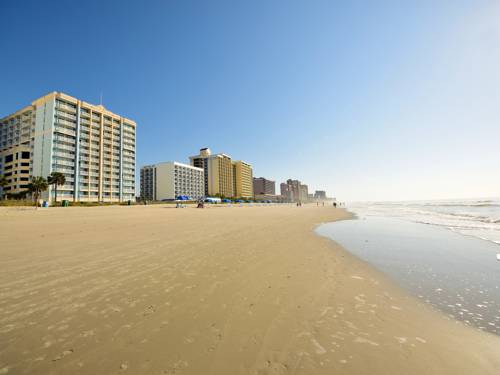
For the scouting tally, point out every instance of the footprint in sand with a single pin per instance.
(150, 309)
(401, 340)
(47, 344)
(87, 333)
(325, 311)
(176, 368)
(319, 349)
(362, 340)
(360, 299)
(63, 354)
(351, 325)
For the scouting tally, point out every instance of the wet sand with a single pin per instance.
(456, 274)
(224, 290)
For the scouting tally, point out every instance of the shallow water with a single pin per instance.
(454, 273)
(473, 217)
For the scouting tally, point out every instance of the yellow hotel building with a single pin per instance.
(218, 172)
(93, 147)
(243, 179)
(220, 178)
(223, 176)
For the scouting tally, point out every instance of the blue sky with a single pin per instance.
(369, 100)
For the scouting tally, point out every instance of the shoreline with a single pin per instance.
(451, 272)
(243, 290)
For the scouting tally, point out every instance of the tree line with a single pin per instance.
(38, 185)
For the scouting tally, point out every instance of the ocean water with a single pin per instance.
(444, 253)
(471, 217)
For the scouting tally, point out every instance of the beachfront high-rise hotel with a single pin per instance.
(93, 147)
(169, 180)
(223, 176)
(218, 172)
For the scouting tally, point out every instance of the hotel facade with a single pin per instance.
(218, 172)
(265, 190)
(93, 147)
(294, 191)
(263, 186)
(243, 179)
(320, 195)
(169, 180)
(223, 176)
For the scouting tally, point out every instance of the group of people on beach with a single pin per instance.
(323, 204)
(299, 204)
(201, 204)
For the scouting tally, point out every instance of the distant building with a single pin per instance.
(290, 190)
(262, 185)
(169, 180)
(320, 195)
(218, 172)
(148, 182)
(201, 161)
(285, 192)
(91, 146)
(243, 179)
(294, 191)
(303, 193)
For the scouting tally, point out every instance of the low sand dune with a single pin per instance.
(224, 290)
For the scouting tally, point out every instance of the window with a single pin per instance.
(9, 158)
(25, 155)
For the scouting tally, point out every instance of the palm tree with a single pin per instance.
(3, 183)
(56, 179)
(37, 186)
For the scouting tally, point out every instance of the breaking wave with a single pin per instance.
(479, 218)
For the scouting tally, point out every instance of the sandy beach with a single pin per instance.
(223, 290)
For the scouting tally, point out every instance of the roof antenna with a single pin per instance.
(101, 100)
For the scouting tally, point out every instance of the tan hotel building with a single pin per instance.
(243, 179)
(218, 172)
(93, 147)
(223, 176)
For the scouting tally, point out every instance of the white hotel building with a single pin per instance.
(168, 180)
(93, 147)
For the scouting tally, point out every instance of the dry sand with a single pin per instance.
(240, 290)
